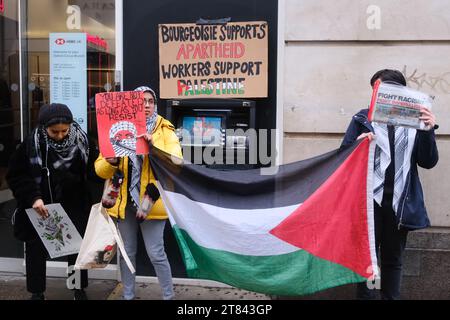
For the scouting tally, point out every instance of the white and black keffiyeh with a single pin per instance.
(136, 165)
(151, 121)
(123, 146)
(403, 144)
(135, 160)
(64, 151)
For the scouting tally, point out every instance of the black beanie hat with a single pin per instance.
(54, 113)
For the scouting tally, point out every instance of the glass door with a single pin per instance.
(25, 59)
(10, 119)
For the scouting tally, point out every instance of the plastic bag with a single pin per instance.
(100, 242)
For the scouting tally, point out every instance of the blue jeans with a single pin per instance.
(152, 233)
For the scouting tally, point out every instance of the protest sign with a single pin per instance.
(57, 232)
(398, 105)
(210, 61)
(120, 120)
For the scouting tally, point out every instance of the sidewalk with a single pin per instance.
(13, 287)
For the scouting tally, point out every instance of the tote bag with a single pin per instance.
(100, 241)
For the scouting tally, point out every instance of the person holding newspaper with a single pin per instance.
(51, 166)
(138, 181)
(398, 197)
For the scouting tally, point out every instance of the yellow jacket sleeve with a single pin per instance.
(171, 141)
(103, 168)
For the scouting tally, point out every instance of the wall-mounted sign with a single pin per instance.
(220, 61)
(68, 73)
(2, 6)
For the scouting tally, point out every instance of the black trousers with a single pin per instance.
(390, 244)
(36, 257)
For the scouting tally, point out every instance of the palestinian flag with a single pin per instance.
(307, 228)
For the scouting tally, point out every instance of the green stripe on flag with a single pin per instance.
(291, 274)
(186, 254)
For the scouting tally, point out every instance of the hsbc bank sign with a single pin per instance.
(61, 41)
(2, 6)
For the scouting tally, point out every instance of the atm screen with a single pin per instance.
(202, 131)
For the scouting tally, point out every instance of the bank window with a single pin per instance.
(96, 19)
(25, 77)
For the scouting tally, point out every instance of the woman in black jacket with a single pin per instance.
(50, 166)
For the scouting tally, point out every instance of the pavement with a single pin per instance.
(13, 287)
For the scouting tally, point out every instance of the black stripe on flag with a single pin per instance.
(247, 189)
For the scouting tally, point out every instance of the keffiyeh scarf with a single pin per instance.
(403, 144)
(64, 151)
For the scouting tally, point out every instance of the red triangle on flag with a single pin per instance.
(332, 223)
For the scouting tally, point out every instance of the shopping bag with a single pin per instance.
(100, 242)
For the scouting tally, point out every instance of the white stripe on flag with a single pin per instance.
(238, 231)
(370, 209)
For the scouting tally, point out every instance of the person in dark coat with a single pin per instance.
(398, 197)
(50, 166)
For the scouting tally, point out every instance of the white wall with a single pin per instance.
(330, 55)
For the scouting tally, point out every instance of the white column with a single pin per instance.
(280, 81)
(119, 41)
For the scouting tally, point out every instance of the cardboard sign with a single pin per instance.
(120, 120)
(398, 105)
(213, 61)
(57, 232)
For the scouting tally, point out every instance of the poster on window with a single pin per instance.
(398, 105)
(57, 232)
(68, 73)
(213, 61)
(120, 123)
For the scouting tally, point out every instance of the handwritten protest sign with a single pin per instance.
(205, 61)
(120, 120)
(57, 232)
(398, 105)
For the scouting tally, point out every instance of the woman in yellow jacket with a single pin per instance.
(137, 175)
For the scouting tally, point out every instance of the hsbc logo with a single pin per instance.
(60, 41)
(2, 6)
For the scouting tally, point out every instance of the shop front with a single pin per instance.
(28, 80)
(122, 52)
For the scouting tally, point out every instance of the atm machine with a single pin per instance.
(220, 124)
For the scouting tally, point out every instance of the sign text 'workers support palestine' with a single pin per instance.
(221, 61)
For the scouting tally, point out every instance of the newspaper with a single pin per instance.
(399, 105)
(57, 232)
